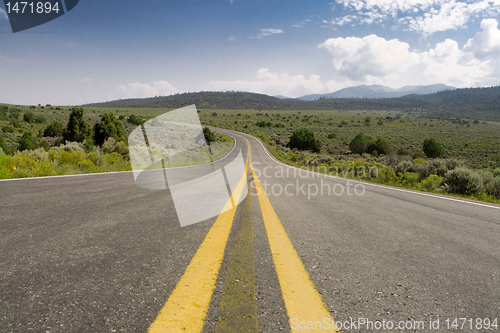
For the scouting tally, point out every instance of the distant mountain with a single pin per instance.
(284, 97)
(378, 91)
(471, 103)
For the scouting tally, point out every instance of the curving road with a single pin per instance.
(96, 253)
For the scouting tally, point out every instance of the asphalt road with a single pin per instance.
(96, 253)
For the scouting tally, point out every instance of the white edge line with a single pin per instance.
(371, 184)
(116, 172)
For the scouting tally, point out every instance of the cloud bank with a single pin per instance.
(140, 90)
(422, 16)
(375, 60)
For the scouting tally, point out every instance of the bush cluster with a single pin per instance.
(304, 139)
(364, 144)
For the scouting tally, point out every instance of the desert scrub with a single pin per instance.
(25, 165)
(36, 163)
(463, 181)
(431, 183)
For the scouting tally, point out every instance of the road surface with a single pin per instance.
(96, 253)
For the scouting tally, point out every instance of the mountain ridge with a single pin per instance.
(471, 103)
(379, 91)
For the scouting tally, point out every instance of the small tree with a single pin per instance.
(209, 135)
(77, 130)
(27, 142)
(109, 127)
(53, 129)
(360, 144)
(432, 148)
(304, 139)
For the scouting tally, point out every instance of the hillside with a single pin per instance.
(378, 91)
(472, 103)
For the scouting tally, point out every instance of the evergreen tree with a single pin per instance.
(27, 142)
(432, 148)
(77, 130)
(109, 127)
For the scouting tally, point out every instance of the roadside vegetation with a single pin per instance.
(442, 155)
(48, 141)
(449, 156)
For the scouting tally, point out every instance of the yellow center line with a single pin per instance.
(187, 306)
(306, 310)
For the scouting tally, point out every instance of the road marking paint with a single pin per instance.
(302, 300)
(187, 306)
(238, 303)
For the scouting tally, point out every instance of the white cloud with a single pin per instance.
(231, 38)
(358, 58)
(273, 84)
(485, 44)
(373, 59)
(423, 16)
(269, 32)
(139, 90)
(4, 14)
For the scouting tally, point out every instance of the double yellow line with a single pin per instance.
(187, 306)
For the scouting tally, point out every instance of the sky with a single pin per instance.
(104, 50)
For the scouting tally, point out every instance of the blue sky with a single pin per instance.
(110, 49)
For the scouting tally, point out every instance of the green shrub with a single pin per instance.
(77, 130)
(360, 144)
(70, 147)
(15, 122)
(381, 145)
(122, 149)
(432, 148)
(403, 166)
(53, 129)
(26, 165)
(15, 113)
(109, 127)
(491, 185)
(214, 114)
(29, 117)
(304, 139)
(8, 129)
(464, 181)
(40, 119)
(332, 136)
(27, 142)
(496, 172)
(410, 178)
(136, 120)
(3, 145)
(209, 135)
(431, 183)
